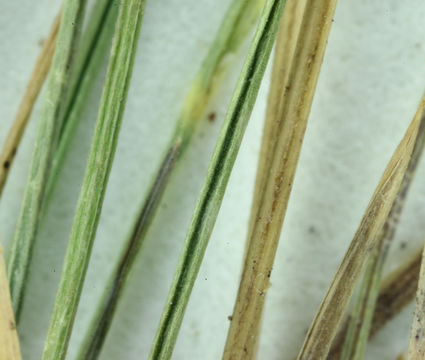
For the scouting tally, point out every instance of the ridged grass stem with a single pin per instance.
(95, 179)
(397, 291)
(218, 174)
(331, 311)
(362, 315)
(95, 44)
(286, 41)
(236, 24)
(45, 145)
(292, 120)
(31, 93)
(9, 342)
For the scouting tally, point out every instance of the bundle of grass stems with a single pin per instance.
(292, 37)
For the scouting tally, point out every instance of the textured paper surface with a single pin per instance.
(372, 79)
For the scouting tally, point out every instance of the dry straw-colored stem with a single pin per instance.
(35, 83)
(396, 292)
(284, 52)
(333, 306)
(9, 343)
(417, 342)
(295, 109)
(417, 337)
(361, 318)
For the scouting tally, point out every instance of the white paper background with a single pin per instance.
(372, 80)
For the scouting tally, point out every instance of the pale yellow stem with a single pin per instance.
(331, 311)
(9, 343)
(397, 291)
(296, 104)
(417, 337)
(34, 86)
(284, 52)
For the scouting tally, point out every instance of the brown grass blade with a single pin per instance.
(417, 337)
(296, 104)
(284, 52)
(361, 316)
(397, 291)
(331, 311)
(9, 343)
(35, 83)
(286, 41)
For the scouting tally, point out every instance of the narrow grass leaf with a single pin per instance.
(295, 108)
(95, 44)
(215, 184)
(95, 179)
(32, 91)
(237, 22)
(45, 144)
(361, 318)
(330, 313)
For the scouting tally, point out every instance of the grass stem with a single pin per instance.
(95, 44)
(286, 41)
(361, 318)
(219, 170)
(397, 290)
(331, 311)
(237, 23)
(32, 91)
(45, 144)
(95, 178)
(292, 121)
(9, 342)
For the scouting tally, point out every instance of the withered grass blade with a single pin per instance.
(295, 108)
(331, 311)
(397, 291)
(9, 342)
(361, 317)
(31, 93)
